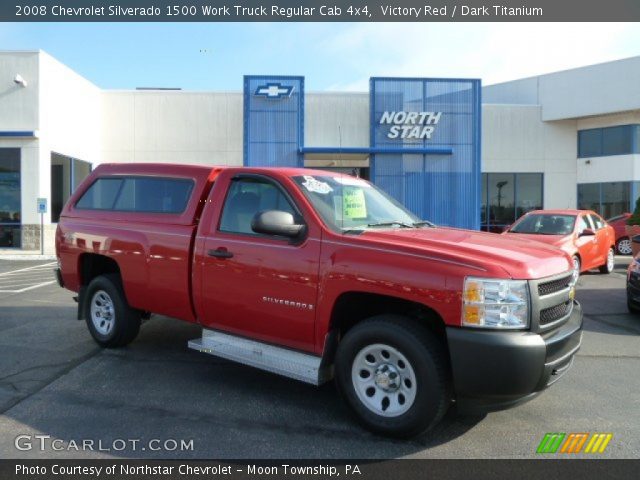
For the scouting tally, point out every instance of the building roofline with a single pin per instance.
(566, 70)
(7, 52)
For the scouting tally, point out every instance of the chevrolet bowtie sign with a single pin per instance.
(274, 90)
(410, 125)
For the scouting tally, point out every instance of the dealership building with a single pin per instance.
(451, 150)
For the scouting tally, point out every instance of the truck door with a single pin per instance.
(257, 285)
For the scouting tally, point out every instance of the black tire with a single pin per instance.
(427, 360)
(125, 321)
(632, 307)
(608, 266)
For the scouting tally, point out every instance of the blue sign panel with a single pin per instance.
(273, 121)
(429, 114)
(42, 205)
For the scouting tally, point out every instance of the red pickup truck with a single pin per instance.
(317, 275)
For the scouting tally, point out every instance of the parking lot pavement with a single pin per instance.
(23, 277)
(54, 381)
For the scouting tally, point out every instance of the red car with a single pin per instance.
(583, 234)
(623, 242)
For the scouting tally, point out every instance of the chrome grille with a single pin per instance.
(547, 288)
(551, 314)
(551, 301)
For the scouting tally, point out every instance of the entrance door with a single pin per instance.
(256, 285)
(66, 174)
(10, 205)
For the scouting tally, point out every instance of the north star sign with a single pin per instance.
(410, 125)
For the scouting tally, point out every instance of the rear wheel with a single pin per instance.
(393, 375)
(623, 246)
(610, 263)
(111, 321)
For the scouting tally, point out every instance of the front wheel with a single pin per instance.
(632, 307)
(394, 376)
(610, 263)
(111, 321)
(576, 268)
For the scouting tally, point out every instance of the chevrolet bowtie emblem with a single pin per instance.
(274, 90)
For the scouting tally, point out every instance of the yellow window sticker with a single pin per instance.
(353, 203)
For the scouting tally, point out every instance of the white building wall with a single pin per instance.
(19, 105)
(516, 92)
(599, 89)
(334, 119)
(616, 168)
(516, 140)
(70, 124)
(70, 112)
(594, 90)
(19, 111)
(172, 126)
(600, 121)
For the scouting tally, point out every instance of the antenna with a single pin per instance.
(341, 183)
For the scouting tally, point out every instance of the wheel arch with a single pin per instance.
(353, 307)
(577, 255)
(90, 266)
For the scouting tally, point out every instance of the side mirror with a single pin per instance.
(277, 222)
(587, 232)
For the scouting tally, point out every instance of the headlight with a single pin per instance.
(495, 303)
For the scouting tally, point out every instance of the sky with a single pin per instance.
(331, 56)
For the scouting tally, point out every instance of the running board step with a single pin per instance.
(299, 366)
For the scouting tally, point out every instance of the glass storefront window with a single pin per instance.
(483, 202)
(617, 140)
(10, 222)
(606, 199)
(589, 196)
(501, 192)
(528, 193)
(507, 196)
(590, 143)
(601, 142)
(616, 198)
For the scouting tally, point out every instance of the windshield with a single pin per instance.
(545, 224)
(347, 203)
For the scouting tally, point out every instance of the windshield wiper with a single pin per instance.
(391, 224)
(356, 230)
(424, 223)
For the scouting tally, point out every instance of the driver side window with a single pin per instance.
(246, 197)
(597, 221)
(583, 224)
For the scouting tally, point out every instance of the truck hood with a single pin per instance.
(520, 258)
